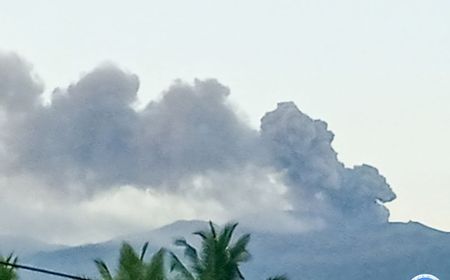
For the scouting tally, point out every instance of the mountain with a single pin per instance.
(80, 260)
(388, 251)
(391, 251)
(21, 245)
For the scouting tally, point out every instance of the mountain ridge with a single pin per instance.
(391, 251)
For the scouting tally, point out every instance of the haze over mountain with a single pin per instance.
(22, 245)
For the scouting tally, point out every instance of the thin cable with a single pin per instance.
(45, 271)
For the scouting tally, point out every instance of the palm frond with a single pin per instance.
(239, 273)
(238, 251)
(213, 230)
(155, 268)
(130, 265)
(143, 251)
(278, 277)
(202, 234)
(189, 251)
(226, 234)
(177, 266)
(103, 270)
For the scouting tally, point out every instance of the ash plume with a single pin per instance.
(90, 138)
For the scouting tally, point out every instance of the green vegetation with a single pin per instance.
(8, 272)
(133, 267)
(218, 258)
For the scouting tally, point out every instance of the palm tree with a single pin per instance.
(219, 259)
(8, 272)
(133, 267)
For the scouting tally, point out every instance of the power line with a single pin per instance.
(45, 271)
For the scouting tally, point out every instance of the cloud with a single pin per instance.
(34, 209)
(89, 141)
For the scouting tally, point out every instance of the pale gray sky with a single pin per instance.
(377, 71)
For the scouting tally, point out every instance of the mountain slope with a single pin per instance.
(390, 251)
(20, 245)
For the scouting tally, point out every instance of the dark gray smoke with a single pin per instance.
(89, 136)
(301, 148)
(19, 89)
(90, 133)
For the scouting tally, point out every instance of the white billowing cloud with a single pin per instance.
(30, 207)
(49, 216)
(95, 167)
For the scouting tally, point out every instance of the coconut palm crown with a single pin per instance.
(218, 258)
(133, 267)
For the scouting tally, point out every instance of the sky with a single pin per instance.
(378, 72)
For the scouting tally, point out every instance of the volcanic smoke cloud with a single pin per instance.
(89, 136)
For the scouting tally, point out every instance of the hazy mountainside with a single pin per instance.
(80, 260)
(390, 251)
(20, 245)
